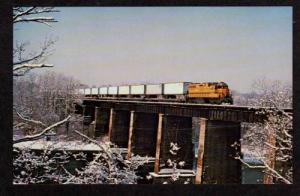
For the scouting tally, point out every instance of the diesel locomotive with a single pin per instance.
(206, 92)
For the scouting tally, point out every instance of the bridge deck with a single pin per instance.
(210, 111)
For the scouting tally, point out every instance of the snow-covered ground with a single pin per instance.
(59, 145)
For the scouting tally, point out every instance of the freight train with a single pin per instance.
(208, 92)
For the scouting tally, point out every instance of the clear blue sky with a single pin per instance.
(112, 45)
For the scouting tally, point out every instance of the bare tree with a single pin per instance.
(32, 14)
(24, 62)
(271, 140)
(41, 100)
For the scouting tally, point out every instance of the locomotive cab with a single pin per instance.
(224, 92)
(211, 92)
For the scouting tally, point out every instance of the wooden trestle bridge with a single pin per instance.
(205, 134)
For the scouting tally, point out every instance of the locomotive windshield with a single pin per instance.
(222, 85)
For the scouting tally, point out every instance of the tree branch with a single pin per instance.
(43, 20)
(248, 165)
(99, 155)
(19, 125)
(95, 142)
(274, 172)
(37, 136)
(30, 120)
(21, 15)
(283, 112)
(23, 66)
(31, 66)
(32, 58)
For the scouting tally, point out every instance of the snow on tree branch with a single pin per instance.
(19, 50)
(37, 136)
(21, 15)
(31, 120)
(43, 20)
(31, 66)
(95, 142)
(23, 63)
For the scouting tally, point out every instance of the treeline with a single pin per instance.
(265, 92)
(45, 97)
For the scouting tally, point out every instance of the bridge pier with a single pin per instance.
(120, 127)
(129, 146)
(199, 130)
(143, 134)
(101, 121)
(88, 114)
(135, 131)
(176, 130)
(213, 156)
(219, 165)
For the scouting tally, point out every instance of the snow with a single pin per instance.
(57, 145)
(253, 157)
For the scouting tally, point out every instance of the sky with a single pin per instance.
(131, 45)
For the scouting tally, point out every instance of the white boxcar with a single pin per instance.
(113, 90)
(87, 91)
(78, 91)
(176, 88)
(124, 90)
(81, 91)
(95, 91)
(103, 90)
(153, 89)
(137, 89)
